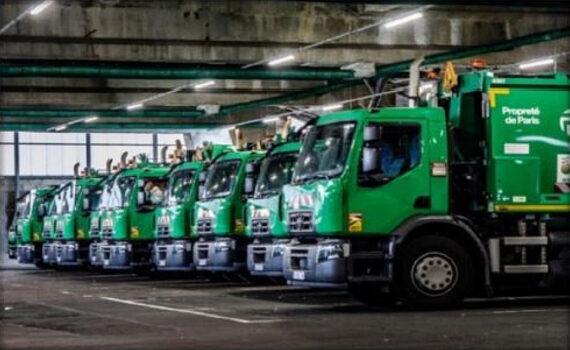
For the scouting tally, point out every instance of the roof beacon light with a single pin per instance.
(402, 20)
(278, 61)
(41, 7)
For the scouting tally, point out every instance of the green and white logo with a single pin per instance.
(565, 122)
(521, 116)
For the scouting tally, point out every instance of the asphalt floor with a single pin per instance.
(47, 309)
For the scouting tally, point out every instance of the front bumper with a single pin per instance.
(125, 255)
(221, 254)
(173, 256)
(95, 254)
(26, 254)
(49, 254)
(12, 252)
(266, 259)
(308, 265)
(70, 253)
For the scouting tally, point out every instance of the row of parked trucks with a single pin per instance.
(465, 195)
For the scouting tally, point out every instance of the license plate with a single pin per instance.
(258, 267)
(106, 262)
(93, 258)
(58, 259)
(202, 262)
(298, 275)
(162, 263)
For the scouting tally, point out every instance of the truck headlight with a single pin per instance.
(222, 246)
(278, 250)
(330, 252)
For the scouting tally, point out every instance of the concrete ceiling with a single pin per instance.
(229, 32)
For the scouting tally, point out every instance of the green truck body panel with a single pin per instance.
(178, 216)
(333, 202)
(269, 205)
(227, 212)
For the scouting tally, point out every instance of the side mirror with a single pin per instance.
(249, 186)
(140, 197)
(370, 159)
(371, 133)
(202, 177)
(42, 210)
(85, 204)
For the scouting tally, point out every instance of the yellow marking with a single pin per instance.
(493, 92)
(355, 222)
(240, 227)
(533, 207)
(135, 232)
(80, 233)
(36, 236)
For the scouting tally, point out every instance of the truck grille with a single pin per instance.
(300, 222)
(299, 259)
(260, 226)
(95, 233)
(107, 233)
(47, 234)
(204, 227)
(59, 235)
(163, 231)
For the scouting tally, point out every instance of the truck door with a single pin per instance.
(392, 180)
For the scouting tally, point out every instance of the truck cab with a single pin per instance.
(266, 224)
(72, 223)
(127, 224)
(219, 215)
(337, 184)
(101, 203)
(29, 227)
(172, 250)
(51, 230)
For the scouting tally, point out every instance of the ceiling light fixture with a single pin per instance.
(537, 63)
(134, 106)
(40, 8)
(402, 20)
(205, 84)
(332, 107)
(90, 119)
(270, 120)
(278, 61)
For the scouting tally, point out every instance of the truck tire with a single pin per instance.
(433, 272)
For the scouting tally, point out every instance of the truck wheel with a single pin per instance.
(433, 271)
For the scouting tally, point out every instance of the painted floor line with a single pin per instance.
(188, 311)
(499, 312)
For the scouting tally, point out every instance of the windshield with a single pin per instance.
(276, 171)
(102, 198)
(120, 192)
(24, 207)
(179, 187)
(221, 178)
(325, 151)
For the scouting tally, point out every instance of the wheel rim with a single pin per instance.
(434, 274)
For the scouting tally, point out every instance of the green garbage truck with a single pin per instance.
(266, 224)
(127, 224)
(172, 250)
(72, 224)
(56, 208)
(433, 204)
(32, 208)
(219, 215)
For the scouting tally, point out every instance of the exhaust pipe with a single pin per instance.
(76, 169)
(163, 154)
(123, 163)
(109, 166)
